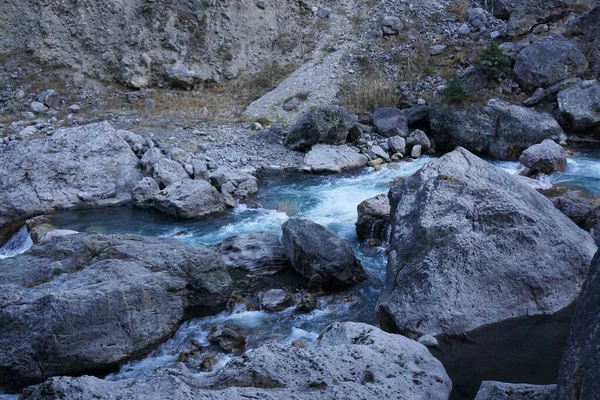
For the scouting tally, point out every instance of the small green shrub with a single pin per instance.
(493, 61)
(454, 92)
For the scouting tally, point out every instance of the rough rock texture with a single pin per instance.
(473, 245)
(546, 157)
(373, 218)
(580, 105)
(500, 129)
(87, 166)
(179, 42)
(166, 172)
(580, 208)
(259, 253)
(549, 60)
(87, 302)
(350, 361)
(189, 199)
(333, 159)
(327, 125)
(390, 122)
(579, 373)
(491, 390)
(144, 193)
(588, 26)
(275, 300)
(315, 249)
(522, 15)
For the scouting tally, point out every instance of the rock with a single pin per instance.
(491, 390)
(477, 18)
(306, 303)
(275, 300)
(397, 144)
(256, 126)
(322, 14)
(500, 129)
(27, 131)
(166, 172)
(262, 4)
(144, 193)
(579, 207)
(461, 229)
(38, 107)
(390, 122)
(49, 98)
(416, 114)
(416, 151)
(587, 25)
(315, 249)
(326, 125)
(373, 218)
(87, 166)
(189, 199)
(580, 105)
(228, 339)
(352, 360)
(549, 60)
(96, 301)
(437, 49)
(74, 108)
(224, 174)
(546, 157)
(258, 253)
(579, 372)
(391, 25)
(418, 137)
(522, 15)
(57, 233)
(428, 341)
(463, 30)
(377, 152)
(333, 159)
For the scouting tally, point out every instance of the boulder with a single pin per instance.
(587, 24)
(83, 302)
(397, 144)
(391, 25)
(189, 199)
(333, 159)
(418, 137)
(580, 105)
(316, 250)
(349, 360)
(473, 245)
(49, 98)
(522, 15)
(579, 372)
(144, 193)
(549, 60)
(492, 390)
(87, 166)
(326, 125)
(546, 157)
(259, 253)
(275, 300)
(500, 129)
(373, 218)
(166, 171)
(579, 207)
(390, 122)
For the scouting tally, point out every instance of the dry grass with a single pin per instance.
(581, 6)
(459, 9)
(374, 90)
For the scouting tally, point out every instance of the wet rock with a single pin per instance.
(99, 300)
(326, 125)
(546, 157)
(88, 166)
(373, 218)
(306, 303)
(500, 129)
(491, 390)
(228, 338)
(549, 60)
(580, 105)
(461, 229)
(259, 253)
(390, 122)
(315, 249)
(275, 300)
(579, 373)
(416, 151)
(189, 199)
(345, 354)
(238, 304)
(333, 159)
(579, 207)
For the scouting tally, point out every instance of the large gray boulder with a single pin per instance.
(472, 245)
(587, 24)
(259, 253)
(549, 60)
(327, 125)
(373, 218)
(333, 159)
(522, 15)
(166, 171)
(492, 390)
(83, 302)
(580, 105)
(579, 373)
(546, 157)
(349, 360)
(189, 199)
(390, 122)
(316, 250)
(500, 129)
(87, 166)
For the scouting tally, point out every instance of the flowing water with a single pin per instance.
(332, 201)
(19, 243)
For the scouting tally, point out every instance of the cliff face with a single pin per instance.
(145, 43)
